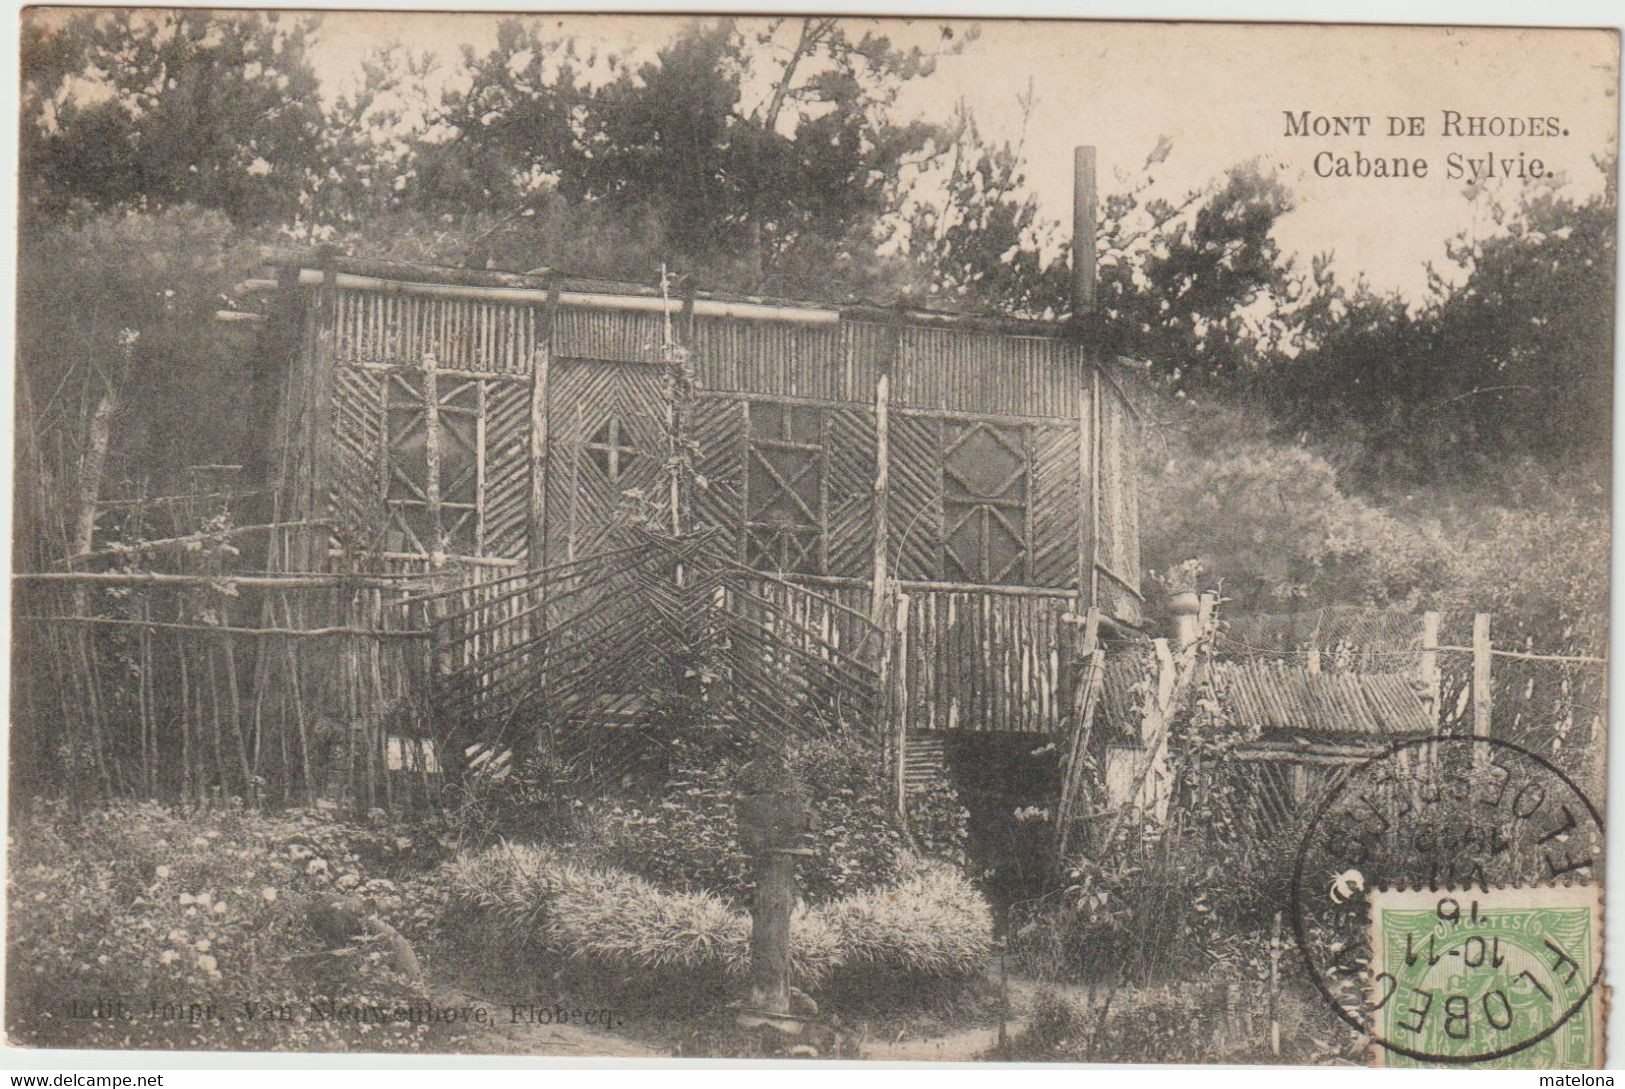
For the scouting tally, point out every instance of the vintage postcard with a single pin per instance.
(811, 537)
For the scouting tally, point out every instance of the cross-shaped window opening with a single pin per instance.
(611, 449)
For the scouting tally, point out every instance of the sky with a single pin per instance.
(1221, 94)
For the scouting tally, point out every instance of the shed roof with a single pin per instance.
(1275, 697)
(1265, 676)
(535, 284)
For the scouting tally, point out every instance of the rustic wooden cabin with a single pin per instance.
(980, 471)
(446, 417)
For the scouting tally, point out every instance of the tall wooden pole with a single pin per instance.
(1483, 698)
(1083, 233)
(540, 367)
(1083, 330)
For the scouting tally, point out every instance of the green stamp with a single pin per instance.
(1498, 978)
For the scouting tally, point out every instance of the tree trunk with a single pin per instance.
(94, 457)
(90, 470)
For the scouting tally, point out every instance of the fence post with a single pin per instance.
(1483, 698)
(1085, 698)
(1275, 987)
(898, 702)
(1428, 670)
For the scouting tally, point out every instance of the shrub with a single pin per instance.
(1271, 522)
(932, 922)
(687, 835)
(141, 902)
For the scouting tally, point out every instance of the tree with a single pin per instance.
(1186, 285)
(370, 140)
(155, 109)
(781, 194)
(1511, 359)
(983, 241)
(1185, 291)
(121, 372)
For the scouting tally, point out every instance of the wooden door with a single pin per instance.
(606, 442)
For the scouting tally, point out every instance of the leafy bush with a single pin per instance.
(932, 922)
(1271, 521)
(140, 902)
(684, 833)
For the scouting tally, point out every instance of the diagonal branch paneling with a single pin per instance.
(916, 495)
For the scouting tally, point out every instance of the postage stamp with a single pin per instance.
(1502, 977)
(1489, 952)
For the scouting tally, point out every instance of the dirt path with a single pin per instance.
(506, 1036)
(964, 1046)
(959, 1047)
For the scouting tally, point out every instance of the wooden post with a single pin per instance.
(899, 705)
(1483, 698)
(1096, 449)
(431, 456)
(324, 364)
(1086, 483)
(1428, 669)
(1085, 700)
(770, 932)
(541, 365)
(1083, 233)
(772, 818)
(98, 436)
(1275, 987)
(882, 489)
(1083, 316)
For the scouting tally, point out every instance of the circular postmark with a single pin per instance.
(1475, 973)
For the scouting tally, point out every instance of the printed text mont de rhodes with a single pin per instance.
(1472, 164)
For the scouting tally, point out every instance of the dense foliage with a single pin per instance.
(681, 829)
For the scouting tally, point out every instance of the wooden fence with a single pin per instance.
(1552, 703)
(559, 656)
(985, 661)
(265, 687)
